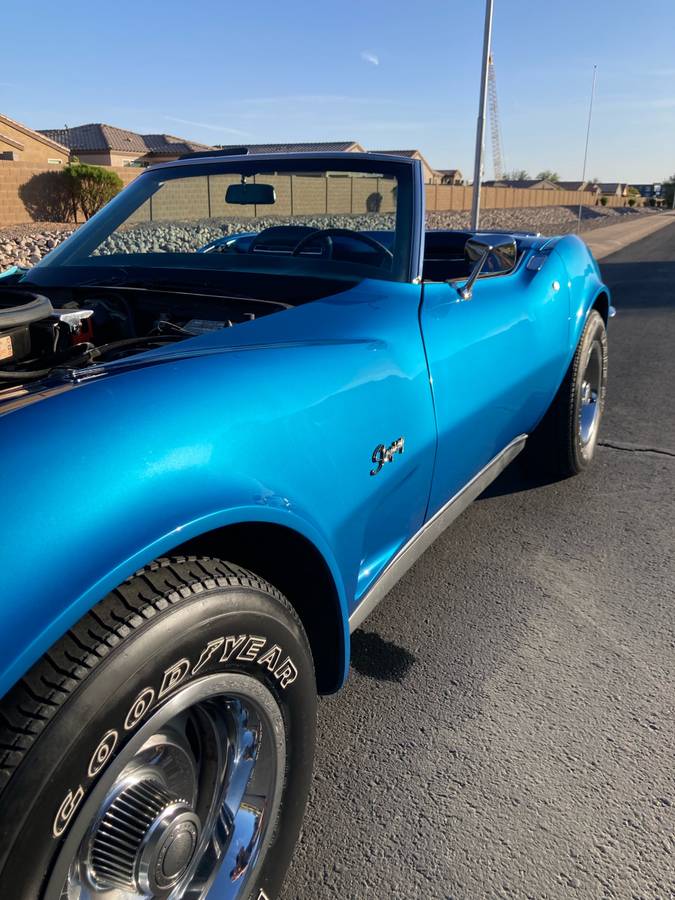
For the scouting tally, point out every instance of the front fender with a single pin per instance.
(104, 478)
(585, 284)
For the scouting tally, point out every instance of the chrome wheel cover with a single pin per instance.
(190, 804)
(590, 395)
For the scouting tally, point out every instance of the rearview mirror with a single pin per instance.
(251, 194)
(492, 253)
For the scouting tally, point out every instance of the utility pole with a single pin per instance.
(588, 134)
(480, 125)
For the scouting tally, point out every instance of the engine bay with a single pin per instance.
(73, 328)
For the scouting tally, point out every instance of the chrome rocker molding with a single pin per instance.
(428, 533)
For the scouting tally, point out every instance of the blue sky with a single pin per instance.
(391, 75)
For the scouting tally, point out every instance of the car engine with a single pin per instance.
(40, 334)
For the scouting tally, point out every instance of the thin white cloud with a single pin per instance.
(306, 99)
(223, 129)
(370, 57)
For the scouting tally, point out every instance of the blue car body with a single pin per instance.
(278, 421)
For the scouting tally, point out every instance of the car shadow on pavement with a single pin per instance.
(515, 479)
(374, 657)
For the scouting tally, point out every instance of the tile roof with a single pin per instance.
(525, 183)
(573, 185)
(98, 137)
(326, 146)
(409, 153)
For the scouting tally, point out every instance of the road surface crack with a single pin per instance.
(634, 448)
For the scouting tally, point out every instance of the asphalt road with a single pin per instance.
(508, 729)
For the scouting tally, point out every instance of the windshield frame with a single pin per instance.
(406, 265)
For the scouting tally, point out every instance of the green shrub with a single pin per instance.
(91, 187)
(603, 201)
(631, 201)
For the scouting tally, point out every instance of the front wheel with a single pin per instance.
(564, 442)
(164, 747)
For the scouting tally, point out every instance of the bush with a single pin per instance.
(631, 201)
(91, 187)
(603, 201)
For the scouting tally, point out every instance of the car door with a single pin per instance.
(495, 363)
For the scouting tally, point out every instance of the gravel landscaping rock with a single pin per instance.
(25, 245)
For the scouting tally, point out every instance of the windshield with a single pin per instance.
(287, 216)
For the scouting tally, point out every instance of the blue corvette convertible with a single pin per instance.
(235, 407)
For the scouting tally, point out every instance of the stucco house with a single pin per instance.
(431, 176)
(450, 176)
(20, 143)
(573, 185)
(105, 145)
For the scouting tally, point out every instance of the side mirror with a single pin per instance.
(493, 253)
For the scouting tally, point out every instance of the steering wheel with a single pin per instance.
(343, 232)
(316, 235)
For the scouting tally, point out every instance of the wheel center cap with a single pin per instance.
(145, 841)
(174, 853)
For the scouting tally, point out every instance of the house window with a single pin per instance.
(128, 162)
(55, 162)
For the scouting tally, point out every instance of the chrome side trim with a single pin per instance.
(428, 533)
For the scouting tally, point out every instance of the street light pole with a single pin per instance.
(480, 125)
(588, 134)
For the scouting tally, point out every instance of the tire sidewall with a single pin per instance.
(150, 666)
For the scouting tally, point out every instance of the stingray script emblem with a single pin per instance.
(382, 454)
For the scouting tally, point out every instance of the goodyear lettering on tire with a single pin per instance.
(243, 647)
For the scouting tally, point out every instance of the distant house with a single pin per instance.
(311, 147)
(651, 193)
(572, 185)
(450, 176)
(431, 176)
(528, 184)
(19, 142)
(105, 145)
(612, 189)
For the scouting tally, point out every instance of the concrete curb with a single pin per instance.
(611, 238)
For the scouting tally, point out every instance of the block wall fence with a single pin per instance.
(296, 195)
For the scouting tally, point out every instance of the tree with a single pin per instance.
(91, 187)
(548, 175)
(517, 175)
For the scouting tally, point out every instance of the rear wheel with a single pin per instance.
(164, 747)
(564, 442)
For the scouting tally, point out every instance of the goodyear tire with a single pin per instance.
(164, 747)
(564, 442)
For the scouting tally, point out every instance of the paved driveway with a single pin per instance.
(509, 726)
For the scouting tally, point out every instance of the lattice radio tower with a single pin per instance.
(495, 127)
